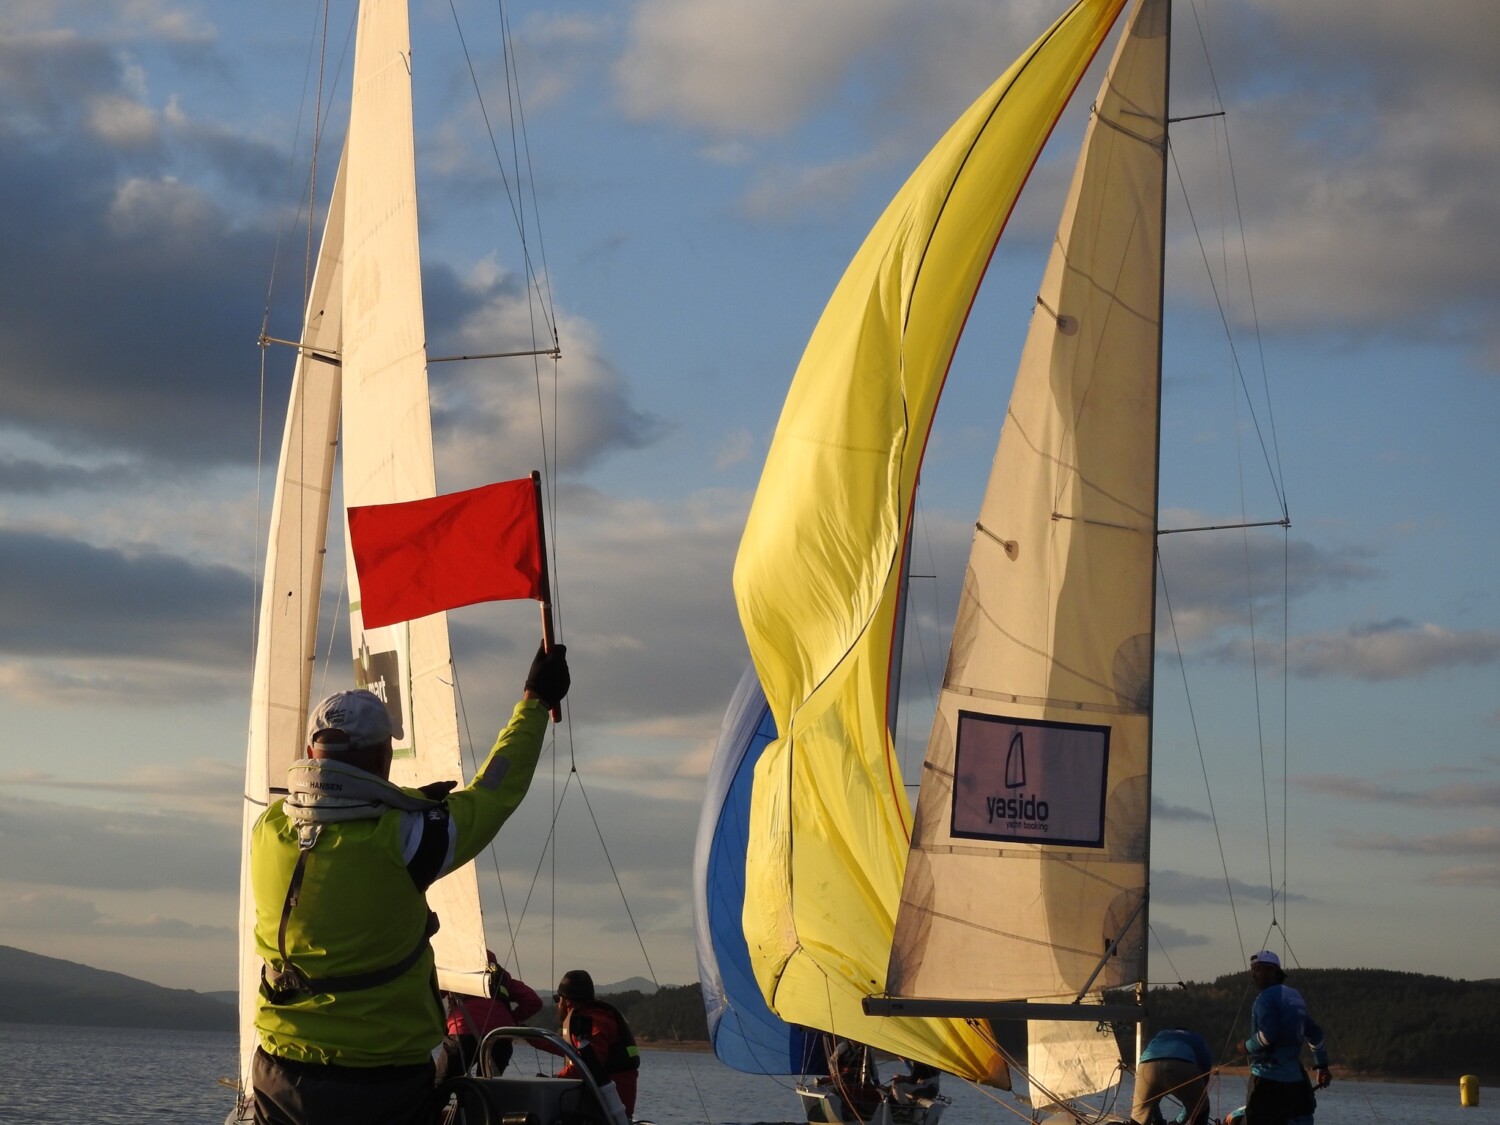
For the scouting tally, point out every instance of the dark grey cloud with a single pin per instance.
(1160, 810)
(139, 245)
(1365, 191)
(644, 604)
(1391, 650)
(31, 477)
(69, 846)
(50, 912)
(1474, 794)
(1177, 888)
(1171, 937)
(60, 597)
(130, 298)
(1207, 573)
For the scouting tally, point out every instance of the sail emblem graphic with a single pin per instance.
(1015, 762)
(380, 672)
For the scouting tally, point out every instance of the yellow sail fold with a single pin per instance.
(816, 579)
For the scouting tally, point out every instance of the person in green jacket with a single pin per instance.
(349, 1011)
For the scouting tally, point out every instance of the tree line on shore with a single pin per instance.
(1377, 1022)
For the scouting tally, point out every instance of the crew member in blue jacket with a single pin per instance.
(1280, 1093)
(1176, 1062)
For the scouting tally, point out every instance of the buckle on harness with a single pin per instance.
(281, 987)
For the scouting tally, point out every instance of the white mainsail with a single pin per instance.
(362, 366)
(387, 441)
(1027, 875)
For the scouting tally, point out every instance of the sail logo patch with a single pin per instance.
(1029, 781)
(380, 672)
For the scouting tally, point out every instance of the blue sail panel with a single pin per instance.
(746, 1034)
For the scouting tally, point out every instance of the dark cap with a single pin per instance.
(576, 985)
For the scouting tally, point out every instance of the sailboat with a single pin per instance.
(1018, 890)
(359, 402)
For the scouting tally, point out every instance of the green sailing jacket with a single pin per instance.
(360, 909)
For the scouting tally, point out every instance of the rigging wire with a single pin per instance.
(539, 306)
(1161, 575)
(1275, 478)
(256, 590)
(516, 200)
(1271, 451)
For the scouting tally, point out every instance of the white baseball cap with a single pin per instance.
(1265, 957)
(358, 713)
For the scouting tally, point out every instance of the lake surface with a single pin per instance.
(119, 1076)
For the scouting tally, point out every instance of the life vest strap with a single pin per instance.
(286, 986)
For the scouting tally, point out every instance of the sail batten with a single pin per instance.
(829, 816)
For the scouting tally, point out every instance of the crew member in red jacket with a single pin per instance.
(470, 1018)
(600, 1035)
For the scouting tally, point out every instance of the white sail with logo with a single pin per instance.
(1027, 875)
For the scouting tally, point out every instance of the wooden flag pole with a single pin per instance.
(546, 580)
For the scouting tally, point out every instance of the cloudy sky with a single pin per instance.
(703, 171)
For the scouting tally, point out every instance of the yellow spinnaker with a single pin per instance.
(817, 575)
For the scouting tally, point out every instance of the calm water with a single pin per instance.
(105, 1076)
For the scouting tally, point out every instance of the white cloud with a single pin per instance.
(1468, 841)
(760, 70)
(735, 449)
(123, 123)
(1359, 166)
(1393, 650)
(782, 194)
(488, 422)
(163, 208)
(733, 68)
(211, 786)
(102, 682)
(1482, 875)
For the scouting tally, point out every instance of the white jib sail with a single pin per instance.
(387, 440)
(1028, 870)
(287, 641)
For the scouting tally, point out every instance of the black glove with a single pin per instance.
(548, 678)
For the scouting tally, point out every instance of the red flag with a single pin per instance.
(425, 556)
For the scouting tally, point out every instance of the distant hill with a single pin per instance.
(630, 984)
(37, 989)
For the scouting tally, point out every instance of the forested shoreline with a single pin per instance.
(1378, 1023)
